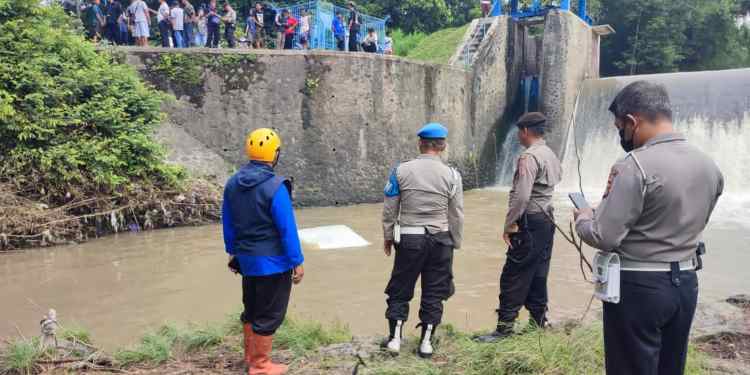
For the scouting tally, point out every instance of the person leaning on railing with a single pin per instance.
(339, 32)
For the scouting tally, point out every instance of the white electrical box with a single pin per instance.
(607, 277)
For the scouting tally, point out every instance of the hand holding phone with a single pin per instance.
(579, 200)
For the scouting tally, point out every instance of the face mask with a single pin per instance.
(627, 145)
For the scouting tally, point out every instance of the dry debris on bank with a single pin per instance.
(27, 222)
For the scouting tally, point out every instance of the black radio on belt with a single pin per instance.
(699, 253)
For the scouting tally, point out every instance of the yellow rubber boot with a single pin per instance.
(262, 364)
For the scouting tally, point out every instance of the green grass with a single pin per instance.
(200, 338)
(76, 334)
(304, 336)
(437, 47)
(577, 351)
(562, 351)
(155, 347)
(20, 356)
(161, 345)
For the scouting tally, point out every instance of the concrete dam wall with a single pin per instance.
(345, 118)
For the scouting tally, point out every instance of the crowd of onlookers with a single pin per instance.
(180, 24)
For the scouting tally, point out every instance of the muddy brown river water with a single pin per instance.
(120, 286)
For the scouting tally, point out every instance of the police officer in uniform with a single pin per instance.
(423, 218)
(659, 199)
(529, 230)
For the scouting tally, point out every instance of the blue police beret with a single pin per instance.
(433, 130)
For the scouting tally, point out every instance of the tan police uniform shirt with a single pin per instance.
(537, 173)
(430, 195)
(659, 200)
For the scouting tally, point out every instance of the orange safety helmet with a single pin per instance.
(263, 145)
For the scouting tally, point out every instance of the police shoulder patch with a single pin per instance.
(521, 166)
(392, 188)
(610, 181)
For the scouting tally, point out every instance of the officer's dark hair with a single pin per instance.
(437, 144)
(642, 98)
(535, 122)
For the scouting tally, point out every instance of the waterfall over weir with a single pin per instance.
(712, 109)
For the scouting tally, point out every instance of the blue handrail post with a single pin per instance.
(497, 8)
(582, 9)
(513, 8)
(565, 4)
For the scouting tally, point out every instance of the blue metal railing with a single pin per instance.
(537, 9)
(321, 14)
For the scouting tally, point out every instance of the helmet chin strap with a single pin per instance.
(276, 159)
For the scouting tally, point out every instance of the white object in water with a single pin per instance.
(332, 237)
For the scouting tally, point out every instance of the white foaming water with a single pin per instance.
(511, 150)
(712, 109)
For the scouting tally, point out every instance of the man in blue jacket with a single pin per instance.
(260, 235)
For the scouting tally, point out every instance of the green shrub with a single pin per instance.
(72, 119)
(403, 43)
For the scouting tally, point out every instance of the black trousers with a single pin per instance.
(213, 36)
(112, 32)
(353, 40)
(430, 256)
(647, 332)
(266, 299)
(523, 281)
(165, 30)
(229, 35)
(340, 44)
(289, 41)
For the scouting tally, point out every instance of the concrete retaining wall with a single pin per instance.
(570, 56)
(345, 119)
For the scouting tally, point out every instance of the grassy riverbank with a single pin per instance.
(311, 348)
(437, 47)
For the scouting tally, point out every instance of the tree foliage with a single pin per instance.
(72, 120)
(657, 36)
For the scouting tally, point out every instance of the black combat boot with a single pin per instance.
(538, 319)
(425, 342)
(503, 330)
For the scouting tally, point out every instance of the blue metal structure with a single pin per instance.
(322, 14)
(537, 9)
